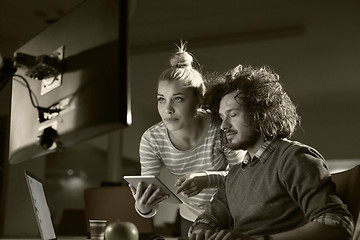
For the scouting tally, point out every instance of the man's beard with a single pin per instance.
(251, 139)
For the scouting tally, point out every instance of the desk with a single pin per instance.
(59, 238)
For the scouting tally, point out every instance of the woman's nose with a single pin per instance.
(169, 108)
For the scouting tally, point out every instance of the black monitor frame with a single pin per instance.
(94, 93)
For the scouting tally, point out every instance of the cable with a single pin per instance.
(41, 110)
(31, 93)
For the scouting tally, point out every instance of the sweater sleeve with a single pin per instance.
(306, 176)
(149, 158)
(217, 214)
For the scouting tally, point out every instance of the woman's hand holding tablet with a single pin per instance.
(152, 190)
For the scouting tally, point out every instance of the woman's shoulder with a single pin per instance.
(211, 127)
(206, 116)
(214, 126)
(156, 129)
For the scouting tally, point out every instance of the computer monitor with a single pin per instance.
(90, 94)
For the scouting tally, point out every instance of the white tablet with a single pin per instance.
(147, 180)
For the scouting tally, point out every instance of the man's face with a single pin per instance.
(239, 131)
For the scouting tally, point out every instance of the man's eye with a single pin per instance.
(233, 115)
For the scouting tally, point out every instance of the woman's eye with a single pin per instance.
(233, 115)
(161, 100)
(179, 99)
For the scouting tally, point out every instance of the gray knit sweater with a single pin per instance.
(285, 188)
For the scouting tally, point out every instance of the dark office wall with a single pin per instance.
(4, 121)
(319, 67)
(3, 147)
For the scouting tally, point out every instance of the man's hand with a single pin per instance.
(201, 234)
(210, 234)
(192, 184)
(229, 235)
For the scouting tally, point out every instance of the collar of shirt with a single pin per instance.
(263, 153)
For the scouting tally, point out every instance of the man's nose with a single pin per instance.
(224, 124)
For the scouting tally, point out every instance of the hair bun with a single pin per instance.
(181, 59)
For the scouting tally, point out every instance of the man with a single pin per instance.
(282, 189)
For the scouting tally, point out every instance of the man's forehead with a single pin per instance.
(228, 102)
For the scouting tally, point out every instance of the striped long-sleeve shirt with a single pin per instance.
(209, 155)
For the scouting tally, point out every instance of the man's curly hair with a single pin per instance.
(269, 107)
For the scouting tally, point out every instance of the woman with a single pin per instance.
(186, 142)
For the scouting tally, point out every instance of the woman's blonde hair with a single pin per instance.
(181, 70)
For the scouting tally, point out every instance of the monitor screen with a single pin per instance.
(87, 97)
(40, 206)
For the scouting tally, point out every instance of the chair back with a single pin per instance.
(114, 203)
(347, 186)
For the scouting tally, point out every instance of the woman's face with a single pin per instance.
(177, 105)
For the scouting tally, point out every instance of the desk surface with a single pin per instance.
(59, 238)
(67, 238)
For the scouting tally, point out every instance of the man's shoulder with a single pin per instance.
(286, 146)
